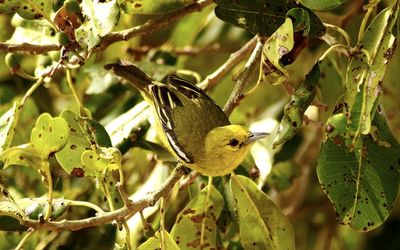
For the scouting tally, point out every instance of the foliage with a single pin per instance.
(78, 151)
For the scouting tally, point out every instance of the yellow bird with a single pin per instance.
(189, 123)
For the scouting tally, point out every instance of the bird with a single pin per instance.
(189, 123)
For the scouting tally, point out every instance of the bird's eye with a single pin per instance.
(233, 142)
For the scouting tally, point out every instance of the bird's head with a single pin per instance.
(229, 144)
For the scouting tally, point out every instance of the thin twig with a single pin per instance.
(27, 47)
(151, 25)
(241, 82)
(187, 51)
(117, 215)
(233, 60)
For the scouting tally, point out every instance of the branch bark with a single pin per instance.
(27, 47)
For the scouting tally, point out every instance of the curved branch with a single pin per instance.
(27, 47)
(241, 81)
(107, 217)
(151, 25)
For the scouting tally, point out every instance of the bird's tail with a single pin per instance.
(131, 73)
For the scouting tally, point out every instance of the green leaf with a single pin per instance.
(278, 44)
(7, 125)
(322, 4)
(130, 125)
(31, 31)
(307, 21)
(32, 9)
(363, 183)
(155, 242)
(23, 155)
(49, 135)
(97, 162)
(258, 17)
(262, 223)
(152, 7)
(365, 75)
(100, 20)
(282, 175)
(69, 156)
(99, 133)
(187, 228)
(302, 97)
(100, 79)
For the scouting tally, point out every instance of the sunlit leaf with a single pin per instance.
(100, 19)
(32, 9)
(155, 242)
(262, 223)
(278, 44)
(365, 73)
(152, 7)
(23, 155)
(7, 124)
(187, 228)
(363, 183)
(49, 135)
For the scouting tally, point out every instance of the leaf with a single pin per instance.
(69, 156)
(262, 223)
(32, 31)
(258, 17)
(100, 19)
(49, 135)
(32, 9)
(363, 183)
(307, 21)
(322, 4)
(282, 175)
(155, 242)
(302, 97)
(23, 155)
(364, 76)
(187, 228)
(130, 125)
(278, 44)
(152, 7)
(100, 79)
(7, 125)
(96, 162)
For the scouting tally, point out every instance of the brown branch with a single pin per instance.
(241, 81)
(233, 60)
(151, 25)
(27, 47)
(187, 51)
(118, 215)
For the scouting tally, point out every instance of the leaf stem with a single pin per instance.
(341, 31)
(24, 239)
(205, 209)
(162, 224)
(81, 111)
(85, 204)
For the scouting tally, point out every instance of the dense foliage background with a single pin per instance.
(319, 76)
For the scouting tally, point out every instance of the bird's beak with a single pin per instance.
(255, 136)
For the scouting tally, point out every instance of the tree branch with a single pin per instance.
(151, 25)
(211, 80)
(108, 217)
(27, 47)
(241, 81)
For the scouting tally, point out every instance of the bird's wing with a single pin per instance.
(186, 114)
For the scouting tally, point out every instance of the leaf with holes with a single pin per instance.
(33, 9)
(100, 19)
(152, 7)
(49, 135)
(278, 44)
(262, 224)
(259, 17)
(7, 125)
(187, 228)
(367, 70)
(363, 183)
(155, 242)
(302, 97)
(69, 156)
